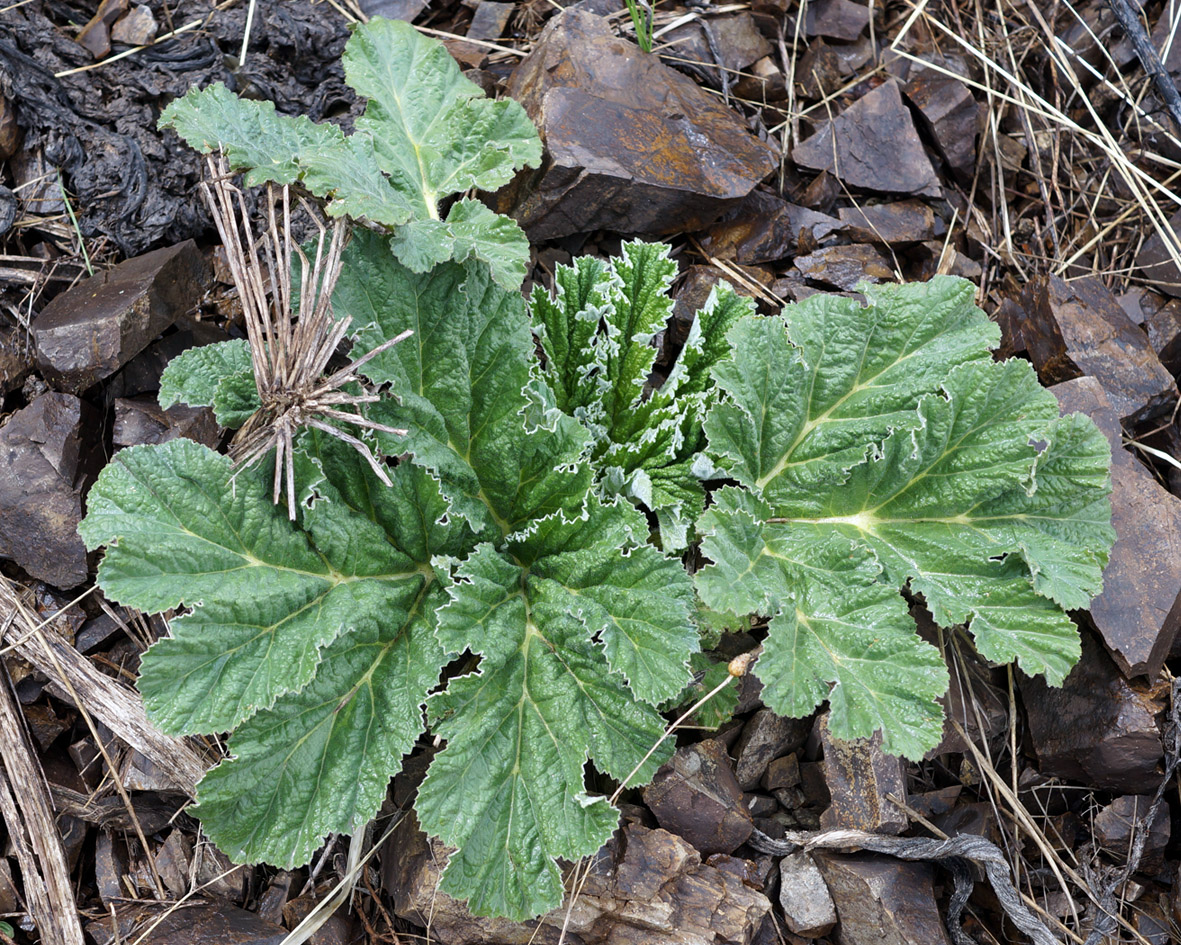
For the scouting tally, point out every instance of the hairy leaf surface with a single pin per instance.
(427, 134)
(880, 447)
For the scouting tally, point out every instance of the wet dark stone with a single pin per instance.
(1117, 825)
(1139, 611)
(90, 331)
(845, 267)
(632, 146)
(1096, 729)
(696, 796)
(877, 146)
(185, 923)
(765, 737)
(952, 117)
(766, 228)
(903, 221)
(861, 778)
(45, 454)
(881, 900)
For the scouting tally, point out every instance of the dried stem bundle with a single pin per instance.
(289, 352)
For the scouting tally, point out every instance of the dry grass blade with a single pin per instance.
(72, 676)
(32, 829)
(290, 353)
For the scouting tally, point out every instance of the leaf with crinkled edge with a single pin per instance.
(196, 376)
(471, 231)
(427, 133)
(639, 307)
(947, 472)
(236, 400)
(813, 389)
(566, 324)
(263, 601)
(461, 379)
(287, 149)
(319, 760)
(520, 731)
(430, 124)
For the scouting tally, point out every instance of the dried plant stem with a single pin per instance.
(290, 353)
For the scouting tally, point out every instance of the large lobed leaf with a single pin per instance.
(879, 447)
(427, 134)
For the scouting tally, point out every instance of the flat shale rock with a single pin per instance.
(808, 909)
(765, 737)
(877, 146)
(860, 778)
(90, 331)
(903, 221)
(1139, 611)
(1164, 334)
(952, 117)
(168, 924)
(1096, 729)
(1121, 821)
(16, 359)
(1156, 264)
(45, 453)
(1079, 328)
(141, 420)
(736, 38)
(695, 796)
(136, 28)
(845, 267)
(646, 887)
(766, 228)
(882, 901)
(631, 145)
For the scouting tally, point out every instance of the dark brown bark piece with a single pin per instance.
(1139, 611)
(1079, 328)
(876, 146)
(631, 145)
(861, 778)
(1096, 729)
(696, 796)
(90, 331)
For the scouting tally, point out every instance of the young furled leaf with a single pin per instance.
(880, 446)
(598, 335)
(427, 134)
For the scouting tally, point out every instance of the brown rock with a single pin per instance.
(695, 796)
(766, 228)
(647, 887)
(632, 145)
(882, 901)
(35, 182)
(1156, 264)
(952, 117)
(90, 331)
(764, 82)
(337, 929)
(1079, 328)
(184, 924)
(95, 36)
(808, 908)
(765, 737)
(16, 359)
(835, 19)
(1097, 729)
(861, 778)
(1164, 334)
(140, 420)
(904, 221)
(173, 859)
(845, 267)
(781, 773)
(1121, 821)
(136, 28)
(489, 20)
(736, 38)
(45, 453)
(1139, 611)
(877, 147)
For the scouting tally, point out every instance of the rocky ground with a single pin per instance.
(787, 148)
